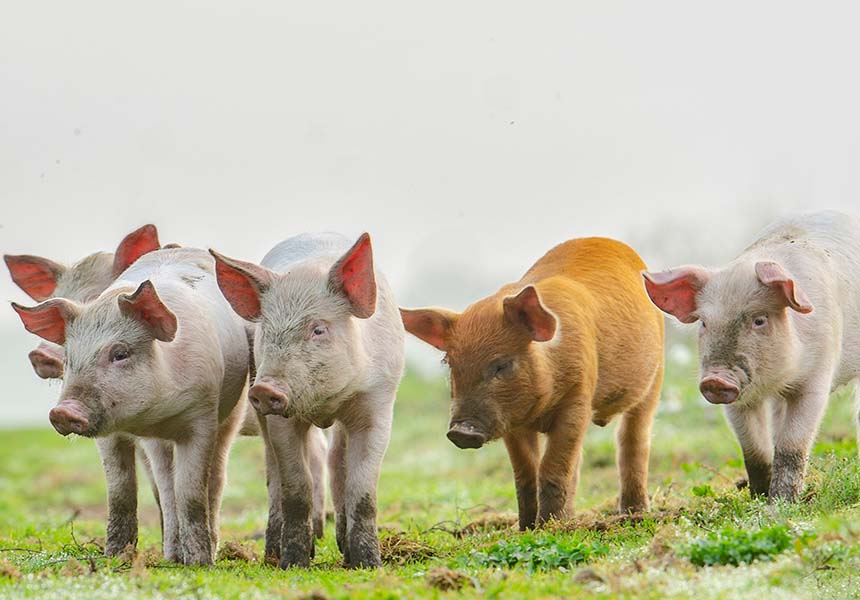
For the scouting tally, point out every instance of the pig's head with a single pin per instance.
(495, 350)
(111, 356)
(746, 338)
(308, 346)
(42, 279)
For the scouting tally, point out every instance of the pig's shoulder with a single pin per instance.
(305, 246)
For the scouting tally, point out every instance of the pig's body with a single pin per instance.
(176, 393)
(575, 340)
(780, 329)
(329, 352)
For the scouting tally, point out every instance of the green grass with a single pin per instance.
(445, 520)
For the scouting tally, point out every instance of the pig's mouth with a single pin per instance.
(467, 434)
(72, 417)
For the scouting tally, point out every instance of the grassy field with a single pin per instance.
(446, 520)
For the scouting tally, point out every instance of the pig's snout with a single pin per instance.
(464, 434)
(268, 397)
(68, 417)
(46, 363)
(719, 390)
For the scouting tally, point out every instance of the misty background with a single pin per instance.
(467, 138)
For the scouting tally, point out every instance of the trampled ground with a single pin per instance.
(446, 520)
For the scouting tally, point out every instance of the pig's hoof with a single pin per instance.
(363, 555)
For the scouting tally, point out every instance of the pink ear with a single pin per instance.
(35, 275)
(146, 307)
(353, 276)
(49, 319)
(526, 309)
(242, 284)
(133, 246)
(774, 276)
(674, 291)
(433, 325)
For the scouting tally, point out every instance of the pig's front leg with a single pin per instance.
(274, 524)
(559, 469)
(751, 429)
(159, 453)
(317, 447)
(795, 428)
(524, 452)
(117, 453)
(289, 439)
(193, 459)
(365, 448)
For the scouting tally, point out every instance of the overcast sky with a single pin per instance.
(466, 137)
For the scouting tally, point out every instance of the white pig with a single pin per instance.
(779, 329)
(42, 278)
(160, 357)
(329, 351)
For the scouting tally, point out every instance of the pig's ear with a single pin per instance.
(35, 275)
(242, 284)
(525, 309)
(48, 320)
(433, 325)
(133, 246)
(774, 276)
(353, 277)
(145, 307)
(674, 291)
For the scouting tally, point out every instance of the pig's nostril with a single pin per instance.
(266, 399)
(66, 420)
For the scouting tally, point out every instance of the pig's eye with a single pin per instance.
(119, 354)
(759, 321)
(502, 369)
(318, 331)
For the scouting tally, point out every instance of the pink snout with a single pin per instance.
(719, 390)
(69, 417)
(268, 397)
(47, 362)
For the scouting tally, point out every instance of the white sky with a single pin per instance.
(467, 137)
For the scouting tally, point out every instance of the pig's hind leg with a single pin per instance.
(159, 455)
(634, 449)
(337, 480)
(117, 453)
(317, 447)
(227, 432)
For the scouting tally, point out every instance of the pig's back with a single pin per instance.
(822, 251)
(303, 247)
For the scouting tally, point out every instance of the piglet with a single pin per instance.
(779, 328)
(329, 351)
(42, 278)
(574, 340)
(158, 357)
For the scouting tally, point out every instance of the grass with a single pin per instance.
(447, 520)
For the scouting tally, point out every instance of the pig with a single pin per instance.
(329, 353)
(161, 359)
(42, 278)
(574, 340)
(779, 328)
